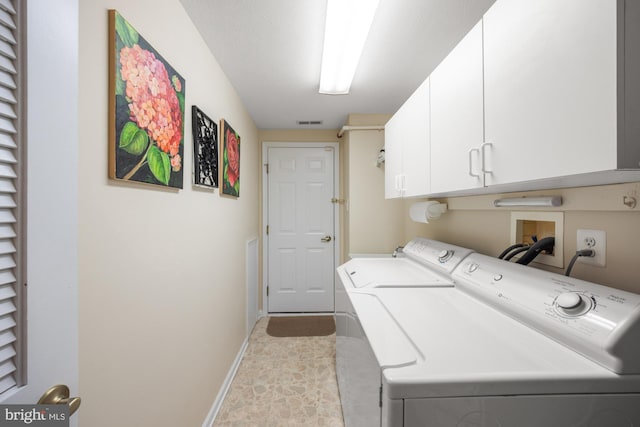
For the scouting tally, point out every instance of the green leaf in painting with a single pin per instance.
(180, 96)
(127, 33)
(133, 140)
(120, 86)
(159, 164)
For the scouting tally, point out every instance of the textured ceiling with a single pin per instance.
(271, 51)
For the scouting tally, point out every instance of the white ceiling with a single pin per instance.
(271, 51)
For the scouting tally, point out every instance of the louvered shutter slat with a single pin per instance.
(7, 307)
(7, 201)
(7, 353)
(7, 5)
(7, 96)
(7, 141)
(6, 217)
(7, 383)
(10, 176)
(7, 368)
(6, 110)
(6, 338)
(7, 49)
(7, 186)
(7, 156)
(7, 80)
(7, 277)
(6, 261)
(7, 126)
(7, 232)
(7, 380)
(6, 292)
(7, 322)
(6, 19)
(7, 247)
(7, 171)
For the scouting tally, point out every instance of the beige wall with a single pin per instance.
(373, 224)
(473, 222)
(161, 272)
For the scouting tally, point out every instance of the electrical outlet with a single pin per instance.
(596, 240)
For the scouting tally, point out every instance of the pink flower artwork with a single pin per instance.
(147, 108)
(230, 161)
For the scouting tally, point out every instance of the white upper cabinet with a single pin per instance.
(407, 161)
(550, 89)
(539, 94)
(457, 128)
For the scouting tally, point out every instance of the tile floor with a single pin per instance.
(284, 382)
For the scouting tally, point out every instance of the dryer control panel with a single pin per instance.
(600, 322)
(432, 253)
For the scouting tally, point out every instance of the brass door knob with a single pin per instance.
(326, 239)
(59, 395)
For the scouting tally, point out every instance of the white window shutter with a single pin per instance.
(10, 209)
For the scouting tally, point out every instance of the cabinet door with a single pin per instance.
(456, 117)
(393, 155)
(416, 161)
(407, 147)
(550, 88)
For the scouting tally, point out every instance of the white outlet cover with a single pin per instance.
(584, 237)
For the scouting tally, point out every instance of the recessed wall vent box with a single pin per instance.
(525, 225)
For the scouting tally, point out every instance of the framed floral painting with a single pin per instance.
(229, 161)
(146, 110)
(205, 149)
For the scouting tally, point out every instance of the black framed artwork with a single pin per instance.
(205, 149)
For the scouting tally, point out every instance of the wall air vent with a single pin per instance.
(309, 122)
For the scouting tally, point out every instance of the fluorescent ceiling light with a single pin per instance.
(346, 29)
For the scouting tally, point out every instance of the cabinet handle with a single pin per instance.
(484, 156)
(477, 150)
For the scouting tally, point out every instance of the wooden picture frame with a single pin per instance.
(146, 110)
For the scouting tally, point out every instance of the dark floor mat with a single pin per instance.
(301, 326)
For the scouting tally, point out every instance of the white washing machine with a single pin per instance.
(509, 345)
(423, 263)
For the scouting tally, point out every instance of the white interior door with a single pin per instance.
(51, 353)
(301, 239)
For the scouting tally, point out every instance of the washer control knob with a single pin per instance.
(572, 304)
(445, 255)
(569, 301)
(497, 277)
(472, 267)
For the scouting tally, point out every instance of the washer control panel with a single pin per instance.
(435, 254)
(600, 322)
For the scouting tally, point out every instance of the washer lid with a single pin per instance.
(465, 347)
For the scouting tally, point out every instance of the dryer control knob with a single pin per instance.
(445, 255)
(569, 300)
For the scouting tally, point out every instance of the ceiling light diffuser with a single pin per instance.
(346, 28)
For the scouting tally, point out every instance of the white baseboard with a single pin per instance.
(217, 404)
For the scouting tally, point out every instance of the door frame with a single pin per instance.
(265, 208)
